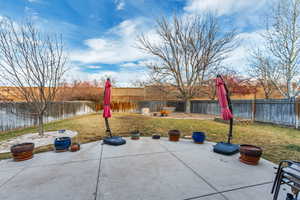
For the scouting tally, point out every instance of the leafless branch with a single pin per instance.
(32, 62)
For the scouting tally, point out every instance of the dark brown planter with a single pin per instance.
(22, 151)
(250, 154)
(174, 135)
(75, 147)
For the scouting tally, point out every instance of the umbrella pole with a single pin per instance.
(230, 131)
(107, 127)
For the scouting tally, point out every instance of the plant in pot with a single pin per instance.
(62, 144)
(174, 135)
(23, 151)
(135, 135)
(250, 154)
(198, 137)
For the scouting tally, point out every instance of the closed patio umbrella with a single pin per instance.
(226, 113)
(111, 140)
(106, 105)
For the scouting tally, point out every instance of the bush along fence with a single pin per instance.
(15, 115)
(277, 111)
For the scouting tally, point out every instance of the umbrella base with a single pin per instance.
(226, 148)
(114, 140)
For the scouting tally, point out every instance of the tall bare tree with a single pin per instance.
(263, 70)
(187, 48)
(283, 45)
(33, 62)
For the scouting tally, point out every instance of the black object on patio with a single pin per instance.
(288, 173)
(111, 140)
(226, 110)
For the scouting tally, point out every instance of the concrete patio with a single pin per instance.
(143, 169)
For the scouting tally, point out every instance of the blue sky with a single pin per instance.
(100, 34)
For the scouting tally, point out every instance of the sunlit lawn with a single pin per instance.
(278, 142)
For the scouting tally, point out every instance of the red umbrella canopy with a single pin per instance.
(222, 97)
(106, 100)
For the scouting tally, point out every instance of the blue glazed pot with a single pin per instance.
(62, 143)
(198, 137)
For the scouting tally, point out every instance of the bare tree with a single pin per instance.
(187, 49)
(263, 70)
(32, 62)
(283, 45)
(209, 83)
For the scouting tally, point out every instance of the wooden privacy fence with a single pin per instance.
(156, 106)
(276, 111)
(15, 115)
(119, 106)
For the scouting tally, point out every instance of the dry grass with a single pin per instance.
(278, 143)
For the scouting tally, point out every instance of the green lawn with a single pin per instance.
(278, 143)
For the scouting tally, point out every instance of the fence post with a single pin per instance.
(253, 108)
(297, 113)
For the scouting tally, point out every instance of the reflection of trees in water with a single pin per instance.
(20, 114)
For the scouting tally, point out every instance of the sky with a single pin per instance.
(100, 35)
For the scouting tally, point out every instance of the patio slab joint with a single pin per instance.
(98, 175)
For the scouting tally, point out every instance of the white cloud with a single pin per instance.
(120, 4)
(248, 41)
(117, 47)
(130, 64)
(223, 7)
(93, 67)
(139, 64)
(124, 77)
(30, 12)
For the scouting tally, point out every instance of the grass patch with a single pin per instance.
(278, 143)
(293, 147)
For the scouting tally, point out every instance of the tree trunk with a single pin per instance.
(188, 106)
(41, 125)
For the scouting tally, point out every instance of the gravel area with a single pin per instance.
(38, 141)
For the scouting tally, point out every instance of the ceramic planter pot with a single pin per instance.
(135, 135)
(174, 135)
(75, 147)
(22, 151)
(198, 137)
(156, 136)
(62, 131)
(62, 144)
(250, 154)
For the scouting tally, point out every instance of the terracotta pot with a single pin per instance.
(250, 154)
(174, 135)
(22, 151)
(75, 147)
